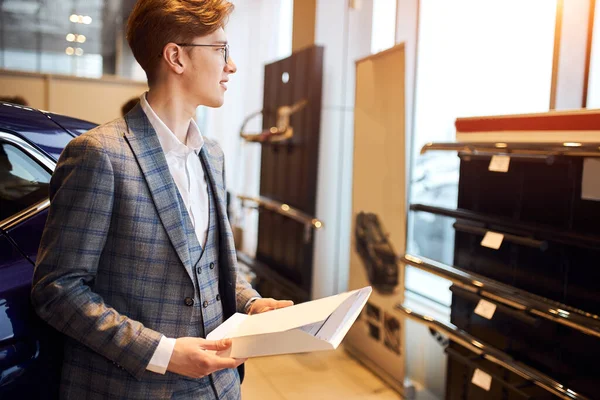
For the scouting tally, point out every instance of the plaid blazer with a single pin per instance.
(113, 268)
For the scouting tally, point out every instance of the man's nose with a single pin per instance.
(230, 66)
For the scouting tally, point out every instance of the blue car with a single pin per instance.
(30, 144)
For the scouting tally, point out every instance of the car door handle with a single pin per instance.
(15, 358)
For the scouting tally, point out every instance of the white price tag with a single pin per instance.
(485, 309)
(482, 379)
(499, 164)
(492, 240)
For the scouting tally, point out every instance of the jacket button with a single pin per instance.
(218, 297)
(199, 270)
(189, 301)
(205, 304)
(212, 265)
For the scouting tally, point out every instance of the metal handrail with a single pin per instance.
(533, 304)
(541, 245)
(519, 149)
(542, 232)
(283, 209)
(492, 354)
(287, 211)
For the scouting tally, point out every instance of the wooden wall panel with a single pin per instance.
(289, 169)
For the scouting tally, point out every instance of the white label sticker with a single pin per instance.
(590, 185)
(482, 379)
(485, 309)
(492, 240)
(499, 163)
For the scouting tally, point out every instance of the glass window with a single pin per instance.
(384, 25)
(70, 37)
(593, 99)
(23, 182)
(474, 58)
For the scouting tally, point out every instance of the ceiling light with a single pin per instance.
(571, 144)
(80, 19)
(70, 51)
(70, 37)
(87, 20)
(78, 51)
(501, 145)
(81, 38)
(73, 18)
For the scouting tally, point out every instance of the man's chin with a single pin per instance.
(216, 103)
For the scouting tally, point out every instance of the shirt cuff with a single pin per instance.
(249, 303)
(162, 355)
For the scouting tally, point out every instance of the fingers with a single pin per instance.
(240, 361)
(264, 305)
(216, 345)
(225, 362)
(284, 303)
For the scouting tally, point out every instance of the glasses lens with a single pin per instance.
(226, 54)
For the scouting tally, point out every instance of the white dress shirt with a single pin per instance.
(185, 167)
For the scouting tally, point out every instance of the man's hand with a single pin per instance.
(191, 359)
(264, 305)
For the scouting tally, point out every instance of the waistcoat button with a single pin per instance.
(199, 270)
(205, 304)
(218, 297)
(189, 301)
(212, 265)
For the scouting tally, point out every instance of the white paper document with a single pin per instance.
(312, 326)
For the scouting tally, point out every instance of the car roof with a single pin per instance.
(49, 132)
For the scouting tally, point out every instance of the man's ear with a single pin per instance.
(173, 55)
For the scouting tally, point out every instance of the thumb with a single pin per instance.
(216, 345)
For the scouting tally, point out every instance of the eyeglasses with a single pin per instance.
(225, 47)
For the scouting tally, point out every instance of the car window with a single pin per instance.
(23, 182)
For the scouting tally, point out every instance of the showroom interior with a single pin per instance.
(445, 153)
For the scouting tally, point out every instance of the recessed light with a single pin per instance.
(69, 51)
(78, 51)
(87, 20)
(81, 38)
(73, 18)
(70, 37)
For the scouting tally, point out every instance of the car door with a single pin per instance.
(30, 351)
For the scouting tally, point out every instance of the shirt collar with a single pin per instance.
(167, 138)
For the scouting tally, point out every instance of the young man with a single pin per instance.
(137, 262)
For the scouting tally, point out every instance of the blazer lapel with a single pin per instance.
(226, 246)
(151, 158)
(218, 190)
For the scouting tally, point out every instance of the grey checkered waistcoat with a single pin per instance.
(116, 265)
(208, 311)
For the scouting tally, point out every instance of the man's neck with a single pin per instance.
(172, 109)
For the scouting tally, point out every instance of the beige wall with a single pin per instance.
(95, 100)
(303, 31)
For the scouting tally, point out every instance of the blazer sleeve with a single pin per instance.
(243, 290)
(81, 201)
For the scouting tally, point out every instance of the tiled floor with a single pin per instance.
(328, 375)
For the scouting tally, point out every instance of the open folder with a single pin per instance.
(312, 326)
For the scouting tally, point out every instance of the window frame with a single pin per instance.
(41, 159)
